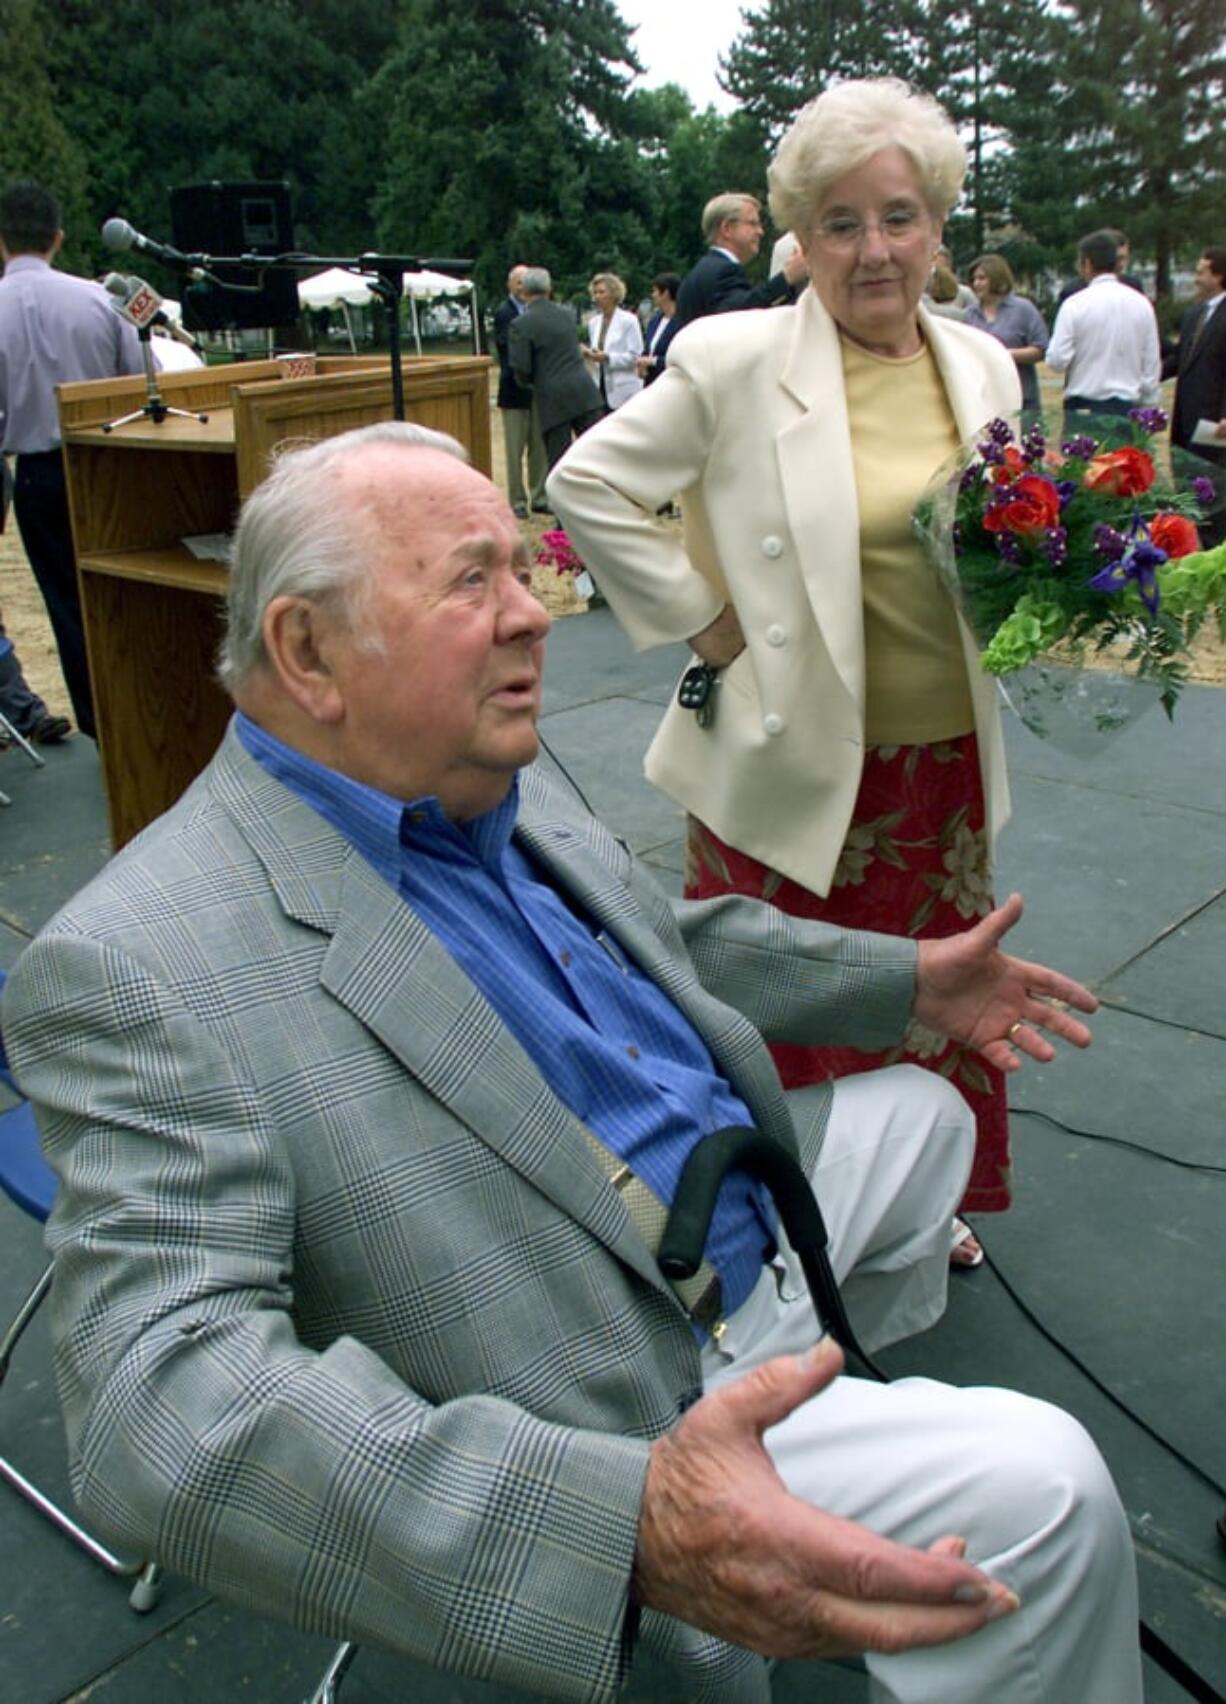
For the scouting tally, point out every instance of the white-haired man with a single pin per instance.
(521, 431)
(349, 1067)
(544, 348)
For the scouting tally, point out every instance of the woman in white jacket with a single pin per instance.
(615, 342)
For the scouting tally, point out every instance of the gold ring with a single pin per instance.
(1013, 1028)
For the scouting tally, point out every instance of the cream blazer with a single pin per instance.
(749, 423)
(623, 346)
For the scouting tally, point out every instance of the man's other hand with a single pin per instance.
(724, 1546)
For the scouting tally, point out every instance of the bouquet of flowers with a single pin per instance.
(1075, 543)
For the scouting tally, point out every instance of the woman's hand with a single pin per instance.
(721, 640)
(967, 989)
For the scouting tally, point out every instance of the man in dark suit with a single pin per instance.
(1200, 387)
(718, 284)
(545, 357)
(520, 431)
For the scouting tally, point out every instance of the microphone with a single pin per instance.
(132, 299)
(118, 235)
(136, 301)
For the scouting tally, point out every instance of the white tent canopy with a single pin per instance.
(337, 286)
(340, 288)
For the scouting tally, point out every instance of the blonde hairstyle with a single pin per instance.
(844, 127)
(996, 270)
(616, 288)
(728, 205)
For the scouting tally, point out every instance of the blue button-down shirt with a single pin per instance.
(611, 1044)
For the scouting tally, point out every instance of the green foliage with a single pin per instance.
(509, 129)
(510, 137)
(34, 140)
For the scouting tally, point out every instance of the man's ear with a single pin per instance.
(56, 246)
(300, 638)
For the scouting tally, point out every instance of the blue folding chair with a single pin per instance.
(29, 1182)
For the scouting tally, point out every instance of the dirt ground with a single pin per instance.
(23, 615)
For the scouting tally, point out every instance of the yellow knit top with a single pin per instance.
(902, 429)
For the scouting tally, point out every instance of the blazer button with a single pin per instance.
(772, 545)
(772, 724)
(776, 636)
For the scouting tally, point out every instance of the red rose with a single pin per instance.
(1033, 504)
(1175, 534)
(1014, 464)
(1120, 473)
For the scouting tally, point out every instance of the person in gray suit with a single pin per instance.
(353, 1067)
(545, 357)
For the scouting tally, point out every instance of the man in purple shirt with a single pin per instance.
(54, 329)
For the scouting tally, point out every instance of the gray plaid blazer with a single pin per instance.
(349, 1324)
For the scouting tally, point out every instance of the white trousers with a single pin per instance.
(1018, 1479)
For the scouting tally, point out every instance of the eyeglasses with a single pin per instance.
(900, 226)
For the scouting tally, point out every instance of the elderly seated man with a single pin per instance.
(341, 1065)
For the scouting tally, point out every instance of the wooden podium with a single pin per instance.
(153, 610)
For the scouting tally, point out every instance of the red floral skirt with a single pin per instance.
(915, 862)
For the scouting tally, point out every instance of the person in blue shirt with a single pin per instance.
(356, 1069)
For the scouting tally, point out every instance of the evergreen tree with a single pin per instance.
(196, 90)
(1131, 132)
(508, 135)
(34, 140)
(791, 49)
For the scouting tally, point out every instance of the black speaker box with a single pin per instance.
(236, 218)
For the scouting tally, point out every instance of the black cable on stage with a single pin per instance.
(1117, 1141)
(565, 772)
(1075, 1360)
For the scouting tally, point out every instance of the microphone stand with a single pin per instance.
(155, 407)
(388, 285)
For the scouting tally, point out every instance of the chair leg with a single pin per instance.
(11, 733)
(334, 1675)
(25, 1313)
(147, 1589)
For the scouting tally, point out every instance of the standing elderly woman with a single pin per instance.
(1010, 319)
(614, 342)
(853, 768)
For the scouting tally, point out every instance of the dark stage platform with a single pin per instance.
(1122, 860)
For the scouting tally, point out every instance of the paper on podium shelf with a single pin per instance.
(1206, 433)
(209, 547)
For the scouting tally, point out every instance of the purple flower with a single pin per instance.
(1008, 548)
(991, 452)
(1109, 543)
(971, 476)
(1150, 420)
(1140, 564)
(1203, 490)
(1081, 447)
(1055, 546)
(1000, 431)
(1068, 489)
(1034, 444)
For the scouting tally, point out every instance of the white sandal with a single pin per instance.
(964, 1249)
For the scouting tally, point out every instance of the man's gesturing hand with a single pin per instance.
(724, 1545)
(966, 988)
